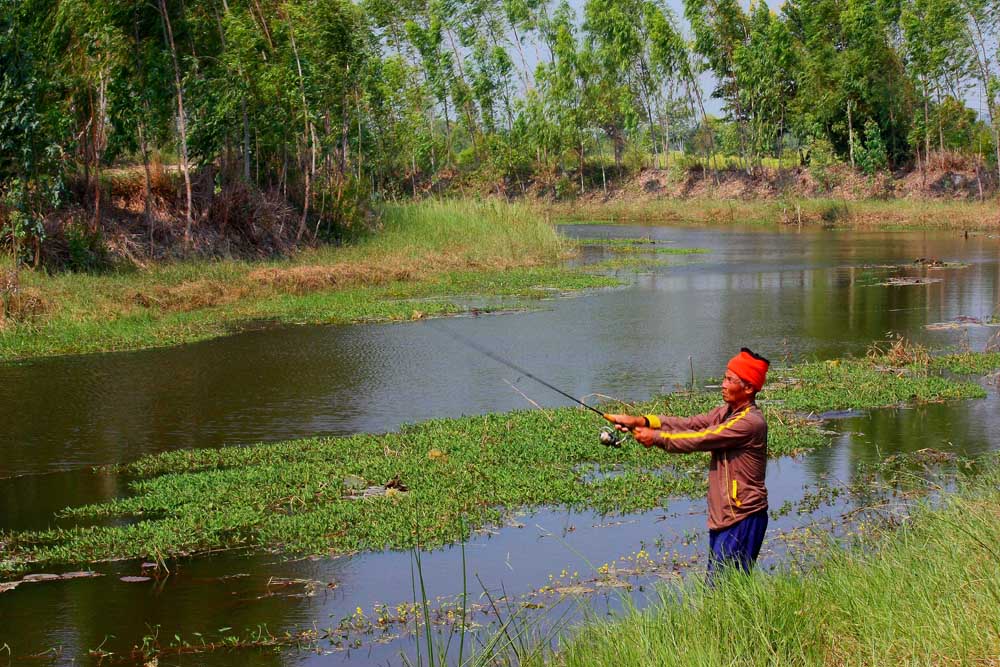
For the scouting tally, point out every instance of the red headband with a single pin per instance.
(750, 367)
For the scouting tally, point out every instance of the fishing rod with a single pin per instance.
(609, 436)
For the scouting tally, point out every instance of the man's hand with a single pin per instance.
(645, 436)
(626, 422)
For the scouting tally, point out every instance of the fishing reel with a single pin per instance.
(610, 437)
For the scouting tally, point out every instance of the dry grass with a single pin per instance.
(18, 304)
(948, 160)
(192, 295)
(307, 278)
(899, 352)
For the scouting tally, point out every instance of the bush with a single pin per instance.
(20, 231)
(85, 248)
(564, 187)
(871, 156)
(821, 158)
(684, 165)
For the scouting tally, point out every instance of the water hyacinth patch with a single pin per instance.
(441, 477)
(969, 363)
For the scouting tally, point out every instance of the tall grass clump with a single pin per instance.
(923, 593)
(478, 230)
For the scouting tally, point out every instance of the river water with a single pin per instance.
(790, 295)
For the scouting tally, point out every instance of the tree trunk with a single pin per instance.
(600, 148)
(143, 146)
(693, 86)
(473, 125)
(95, 156)
(927, 128)
(940, 124)
(181, 122)
(850, 133)
(525, 76)
(308, 133)
(246, 140)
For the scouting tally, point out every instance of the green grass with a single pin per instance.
(641, 254)
(635, 264)
(460, 472)
(424, 254)
(858, 384)
(644, 244)
(926, 593)
(895, 214)
(635, 249)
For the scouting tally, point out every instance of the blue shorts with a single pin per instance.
(737, 545)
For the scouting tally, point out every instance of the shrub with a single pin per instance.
(821, 158)
(85, 250)
(871, 156)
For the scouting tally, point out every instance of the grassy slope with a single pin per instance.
(925, 594)
(292, 495)
(425, 253)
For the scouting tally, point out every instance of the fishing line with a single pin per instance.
(510, 364)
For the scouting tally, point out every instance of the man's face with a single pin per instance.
(734, 390)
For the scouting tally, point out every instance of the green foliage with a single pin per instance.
(871, 155)
(335, 104)
(850, 70)
(19, 230)
(85, 248)
(821, 158)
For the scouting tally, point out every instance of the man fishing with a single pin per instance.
(736, 436)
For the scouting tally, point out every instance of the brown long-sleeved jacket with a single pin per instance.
(737, 440)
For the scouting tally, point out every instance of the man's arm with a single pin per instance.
(664, 422)
(670, 423)
(737, 430)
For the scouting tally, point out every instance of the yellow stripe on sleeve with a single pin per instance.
(713, 430)
(654, 421)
